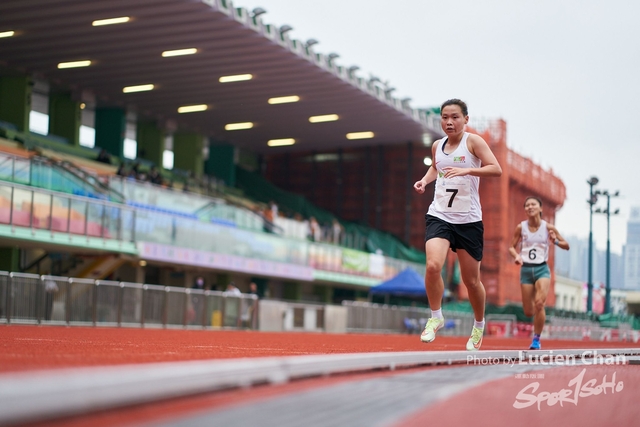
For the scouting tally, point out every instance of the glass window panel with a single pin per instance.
(21, 207)
(60, 214)
(95, 214)
(126, 225)
(5, 204)
(41, 210)
(77, 220)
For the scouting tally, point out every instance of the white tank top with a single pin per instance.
(456, 200)
(535, 246)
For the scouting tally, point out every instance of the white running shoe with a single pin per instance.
(475, 341)
(430, 329)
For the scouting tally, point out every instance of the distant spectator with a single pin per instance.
(132, 175)
(336, 231)
(135, 172)
(104, 157)
(122, 170)
(198, 283)
(154, 176)
(50, 288)
(231, 288)
(249, 316)
(268, 220)
(253, 289)
(274, 209)
(315, 233)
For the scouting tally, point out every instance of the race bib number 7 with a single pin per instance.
(453, 194)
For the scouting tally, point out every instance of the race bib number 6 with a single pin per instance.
(453, 194)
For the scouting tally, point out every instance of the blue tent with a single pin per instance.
(406, 283)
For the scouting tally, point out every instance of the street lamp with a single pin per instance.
(593, 198)
(608, 213)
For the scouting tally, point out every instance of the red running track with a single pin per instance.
(46, 347)
(597, 395)
(24, 348)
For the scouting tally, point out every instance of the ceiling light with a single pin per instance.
(238, 126)
(111, 21)
(284, 99)
(360, 135)
(325, 118)
(236, 78)
(138, 88)
(74, 64)
(179, 52)
(281, 142)
(193, 108)
(7, 34)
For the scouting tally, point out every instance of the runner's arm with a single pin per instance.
(555, 236)
(480, 149)
(431, 175)
(514, 244)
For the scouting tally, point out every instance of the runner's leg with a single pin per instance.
(436, 250)
(540, 297)
(470, 274)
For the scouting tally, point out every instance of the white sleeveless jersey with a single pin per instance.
(535, 246)
(456, 200)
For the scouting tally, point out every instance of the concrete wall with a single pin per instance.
(568, 294)
(335, 319)
(271, 315)
(276, 316)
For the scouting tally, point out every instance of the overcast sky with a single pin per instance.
(563, 74)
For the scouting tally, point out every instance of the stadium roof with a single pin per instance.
(228, 41)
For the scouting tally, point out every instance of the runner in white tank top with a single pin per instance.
(535, 244)
(535, 235)
(456, 200)
(454, 220)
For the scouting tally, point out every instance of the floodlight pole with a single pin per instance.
(592, 201)
(607, 299)
(607, 211)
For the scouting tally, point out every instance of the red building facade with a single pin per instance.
(374, 186)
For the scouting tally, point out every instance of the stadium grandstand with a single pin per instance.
(222, 150)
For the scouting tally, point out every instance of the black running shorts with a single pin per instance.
(469, 237)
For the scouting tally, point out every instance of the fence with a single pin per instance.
(370, 317)
(33, 299)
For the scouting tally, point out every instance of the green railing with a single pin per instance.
(43, 173)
